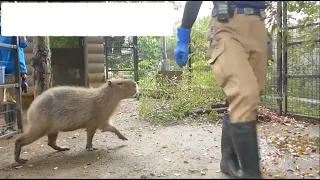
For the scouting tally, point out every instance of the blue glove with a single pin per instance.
(181, 51)
(24, 84)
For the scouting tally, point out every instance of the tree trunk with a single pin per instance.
(41, 63)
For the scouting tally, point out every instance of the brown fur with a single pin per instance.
(66, 108)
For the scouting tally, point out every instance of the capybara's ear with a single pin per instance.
(109, 83)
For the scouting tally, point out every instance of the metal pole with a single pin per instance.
(17, 81)
(84, 46)
(279, 57)
(106, 57)
(135, 58)
(285, 56)
(190, 65)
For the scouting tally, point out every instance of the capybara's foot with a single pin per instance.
(123, 138)
(63, 148)
(21, 161)
(59, 148)
(90, 148)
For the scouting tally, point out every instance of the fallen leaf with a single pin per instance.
(277, 176)
(205, 169)
(164, 146)
(167, 160)
(290, 170)
(286, 131)
(186, 162)
(302, 150)
(18, 167)
(203, 173)
(277, 171)
(307, 172)
(30, 165)
(297, 167)
(176, 174)
(218, 171)
(263, 170)
(55, 168)
(193, 170)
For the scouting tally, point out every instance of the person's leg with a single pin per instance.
(234, 74)
(9, 103)
(9, 92)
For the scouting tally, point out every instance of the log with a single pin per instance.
(95, 40)
(95, 85)
(96, 58)
(208, 111)
(96, 67)
(95, 49)
(96, 78)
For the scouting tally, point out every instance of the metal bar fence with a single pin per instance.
(12, 111)
(121, 57)
(296, 88)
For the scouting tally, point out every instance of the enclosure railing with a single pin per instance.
(9, 129)
(293, 81)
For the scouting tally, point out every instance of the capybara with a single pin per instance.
(66, 108)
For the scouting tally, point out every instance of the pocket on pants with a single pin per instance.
(215, 62)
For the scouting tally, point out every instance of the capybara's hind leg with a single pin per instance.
(25, 139)
(52, 142)
(90, 134)
(116, 131)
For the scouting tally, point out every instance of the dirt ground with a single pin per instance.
(290, 150)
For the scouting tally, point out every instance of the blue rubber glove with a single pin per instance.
(181, 51)
(24, 84)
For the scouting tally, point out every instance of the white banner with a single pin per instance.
(87, 19)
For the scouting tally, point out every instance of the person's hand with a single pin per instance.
(24, 83)
(23, 39)
(181, 51)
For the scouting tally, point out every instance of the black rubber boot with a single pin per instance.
(244, 137)
(229, 162)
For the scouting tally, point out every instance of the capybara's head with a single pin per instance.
(125, 88)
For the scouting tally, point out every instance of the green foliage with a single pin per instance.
(165, 100)
(172, 101)
(150, 48)
(64, 42)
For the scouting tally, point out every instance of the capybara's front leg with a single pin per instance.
(25, 139)
(52, 142)
(90, 134)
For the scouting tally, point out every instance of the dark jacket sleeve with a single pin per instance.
(190, 14)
